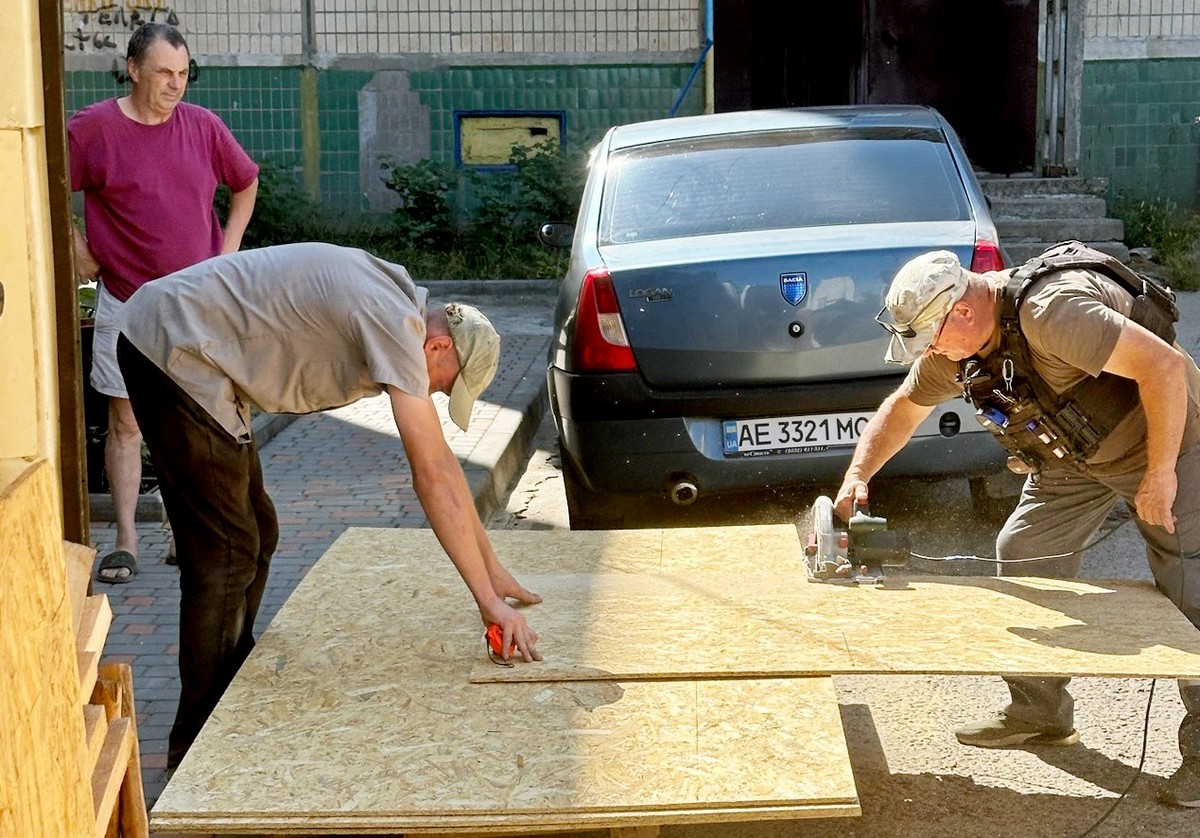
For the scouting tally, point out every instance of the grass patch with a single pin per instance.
(1170, 231)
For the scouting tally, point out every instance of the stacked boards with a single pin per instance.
(686, 680)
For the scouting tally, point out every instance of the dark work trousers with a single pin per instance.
(225, 533)
(1059, 512)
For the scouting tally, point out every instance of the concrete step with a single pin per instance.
(1060, 229)
(1034, 213)
(1048, 206)
(1023, 187)
(1019, 252)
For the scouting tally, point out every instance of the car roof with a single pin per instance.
(779, 119)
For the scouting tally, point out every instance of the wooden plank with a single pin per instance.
(107, 694)
(95, 620)
(708, 625)
(132, 818)
(94, 623)
(95, 727)
(109, 772)
(89, 663)
(79, 560)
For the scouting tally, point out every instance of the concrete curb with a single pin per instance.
(504, 451)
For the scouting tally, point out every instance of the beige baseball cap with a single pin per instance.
(921, 295)
(478, 348)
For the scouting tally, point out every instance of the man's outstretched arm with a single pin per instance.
(442, 489)
(885, 434)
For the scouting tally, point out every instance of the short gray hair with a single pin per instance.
(146, 34)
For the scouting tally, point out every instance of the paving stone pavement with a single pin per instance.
(326, 472)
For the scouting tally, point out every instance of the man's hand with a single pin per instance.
(885, 433)
(86, 266)
(853, 492)
(1155, 498)
(513, 627)
(506, 586)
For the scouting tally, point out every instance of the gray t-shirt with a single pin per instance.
(1071, 321)
(295, 328)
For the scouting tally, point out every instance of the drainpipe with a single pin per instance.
(310, 123)
(710, 96)
(702, 61)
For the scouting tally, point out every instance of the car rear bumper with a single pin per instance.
(616, 449)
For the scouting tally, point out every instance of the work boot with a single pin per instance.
(1002, 732)
(1183, 787)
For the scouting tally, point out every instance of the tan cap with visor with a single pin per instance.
(478, 348)
(921, 295)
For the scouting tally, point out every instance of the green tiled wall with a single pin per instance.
(261, 105)
(1137, 127)
(593, 98)
(337, 92)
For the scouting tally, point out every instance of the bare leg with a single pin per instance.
(123, 463)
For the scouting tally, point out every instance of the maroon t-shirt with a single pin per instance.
(148, 189)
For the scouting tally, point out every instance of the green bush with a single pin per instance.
(425, 217)
(487, 219)
(1171, 232)
(450, 223)
(283, 211)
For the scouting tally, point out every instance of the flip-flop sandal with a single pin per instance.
(117, 560)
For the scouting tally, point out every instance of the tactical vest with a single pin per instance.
(1032, 422)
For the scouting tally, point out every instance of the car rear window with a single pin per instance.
(767, 181)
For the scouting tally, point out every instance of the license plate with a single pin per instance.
(792, 434)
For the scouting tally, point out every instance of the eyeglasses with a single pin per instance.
(905, 330)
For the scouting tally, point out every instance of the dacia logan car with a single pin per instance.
(715, 330)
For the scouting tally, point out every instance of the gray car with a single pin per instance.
(715, 331)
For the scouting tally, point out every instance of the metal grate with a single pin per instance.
(266, 30)
(1166, 19)
(270, 31)
(345, 27)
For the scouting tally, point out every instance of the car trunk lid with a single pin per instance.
(739, 310)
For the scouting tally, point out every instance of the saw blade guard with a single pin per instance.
(824, 556)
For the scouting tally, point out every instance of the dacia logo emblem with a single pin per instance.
(794, 287)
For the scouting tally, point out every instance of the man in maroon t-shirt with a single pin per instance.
(148, 165)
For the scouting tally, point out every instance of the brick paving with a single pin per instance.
(326, 472)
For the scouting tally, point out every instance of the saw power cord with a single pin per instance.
(1150, 698)
(1086, 547)
(1138, 774)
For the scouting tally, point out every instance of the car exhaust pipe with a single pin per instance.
(684, 492)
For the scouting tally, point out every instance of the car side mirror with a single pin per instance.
(556, 233)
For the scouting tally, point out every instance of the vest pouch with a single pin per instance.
(1091, 409)
(1155, 309)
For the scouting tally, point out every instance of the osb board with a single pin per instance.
(721, 601)
(43, 748)
(699, 625)
(355, 714)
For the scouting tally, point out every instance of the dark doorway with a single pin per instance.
(780, 53)
(975, 62)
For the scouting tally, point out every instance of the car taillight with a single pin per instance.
(987, 257)
(600, 341)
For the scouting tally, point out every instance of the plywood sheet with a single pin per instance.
(355, 713)
(43, 764)
(734, 601)
(622, 626)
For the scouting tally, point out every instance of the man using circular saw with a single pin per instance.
(1070, 363)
